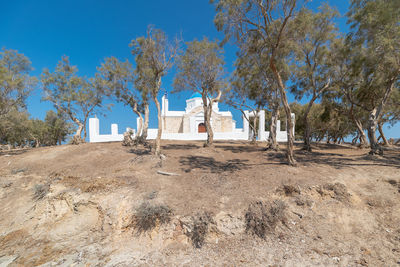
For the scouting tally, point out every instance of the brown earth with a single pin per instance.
(76, 205)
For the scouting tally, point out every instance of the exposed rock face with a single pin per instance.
(76, 205)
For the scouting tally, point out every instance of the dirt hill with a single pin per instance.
(232, 205)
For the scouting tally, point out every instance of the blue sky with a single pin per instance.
(89, 30)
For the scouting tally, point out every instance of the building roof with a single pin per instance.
(195, 95)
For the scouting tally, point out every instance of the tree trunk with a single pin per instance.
(372, 124)
(290, 134)
(146, 121)
(380, 129)
(272, 142)
(84, 129)
(77, 139)
(254, 129)
(361, 134)
(159, 131)
(307, 130)
(373, 119)
(207, 109)
(359, 126)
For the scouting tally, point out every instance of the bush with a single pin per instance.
(148, 216)
(339, 190)
(262, 217)
(201, 223)
(40, 191)
(290, 190)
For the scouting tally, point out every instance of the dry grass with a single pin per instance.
(201, 224)
(148, 216)
(262, 218)
(40, 191)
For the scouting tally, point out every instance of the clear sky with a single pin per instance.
(89, 30)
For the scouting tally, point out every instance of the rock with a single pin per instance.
(229, 224)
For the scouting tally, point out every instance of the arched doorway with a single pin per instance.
(201, 128)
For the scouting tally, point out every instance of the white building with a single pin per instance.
(188, 124)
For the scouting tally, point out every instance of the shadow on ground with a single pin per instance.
(209, 163)
(14, 152)
(180, 146)
(334, 159)
(241, 148)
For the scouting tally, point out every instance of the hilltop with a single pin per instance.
(231, 205)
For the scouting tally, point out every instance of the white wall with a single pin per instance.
(96, 137)
(236, 134)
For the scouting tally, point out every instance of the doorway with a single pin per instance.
(201, 128)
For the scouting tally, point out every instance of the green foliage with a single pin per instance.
(374, 44)
(74, 96)
(201, 68)
(117, 79)
(58, 128)
(14, 128)
(312, 54)
(154, 55)
(15, 82)
(17, 130)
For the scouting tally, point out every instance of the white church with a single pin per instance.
(188, 124)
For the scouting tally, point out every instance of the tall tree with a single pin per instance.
(345, 84)
(118, 80)
(269, 21)
(312, 72)
(72, 95)
(154, 56)
(253, 88)
(15, 82)
(376, 36)
(201, 69)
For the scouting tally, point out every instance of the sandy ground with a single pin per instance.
(342, 206)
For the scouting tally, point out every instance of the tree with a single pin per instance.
(74, 96)
(253, 87)
(118, 80)
(312, 72)
(345, 85)
(15, 82)
(376, 37)
(58, 128)
(269, 21)
(201, 69)
(15, 128)
(38, 132)
(154, 55)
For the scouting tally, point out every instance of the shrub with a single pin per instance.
(290, 190)
(340, 191)
(262, 217)
(201, 223)
(40, 191)
(148, 216)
